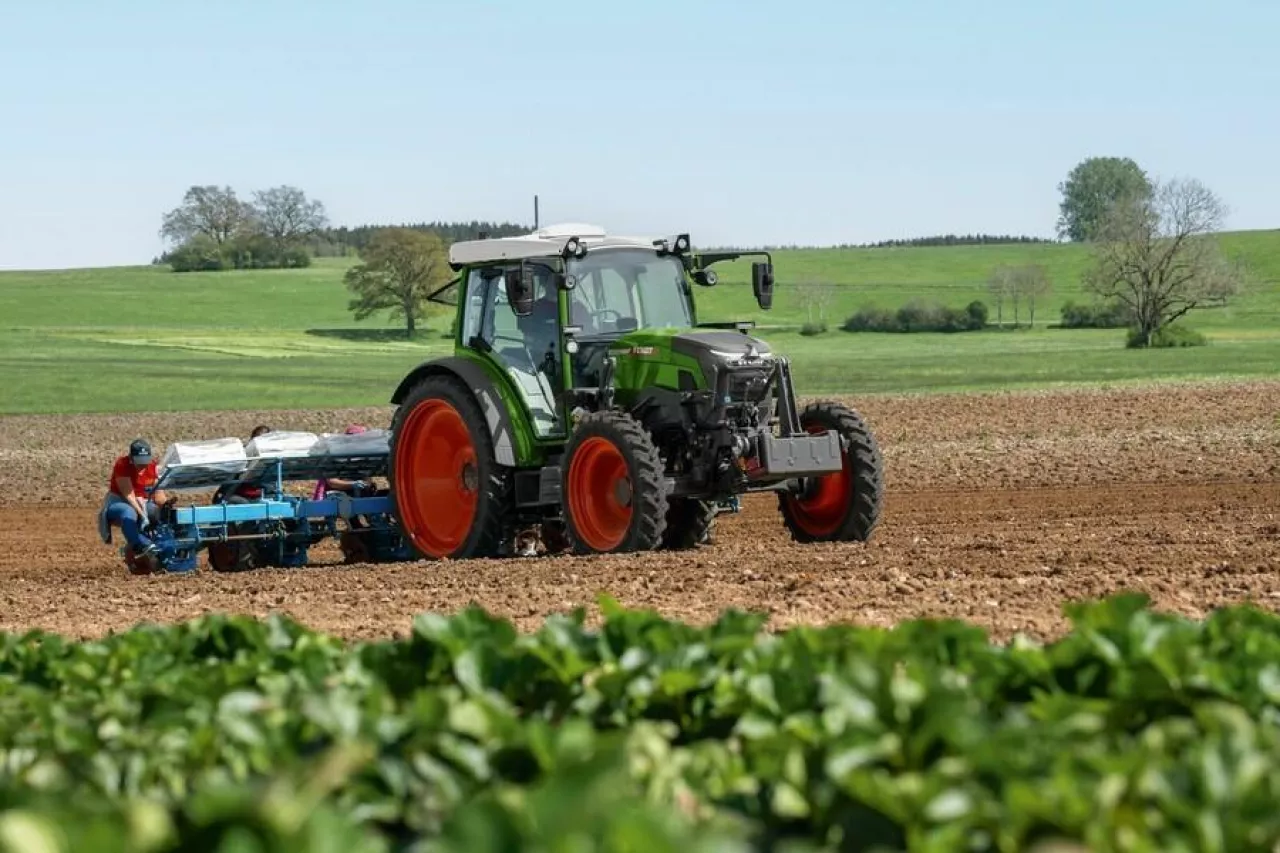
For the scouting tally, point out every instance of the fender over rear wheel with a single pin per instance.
(448, 491)
(613, 486)
(843, 506)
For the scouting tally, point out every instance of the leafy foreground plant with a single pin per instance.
(1137, 731)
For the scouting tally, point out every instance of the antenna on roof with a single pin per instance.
(535, 212)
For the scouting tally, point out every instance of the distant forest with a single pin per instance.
(955, 240)
(916, 242)
(343, 240)
(213, 229)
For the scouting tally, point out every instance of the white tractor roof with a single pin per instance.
(539, 244)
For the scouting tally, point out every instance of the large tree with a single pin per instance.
(1091, 188)
(284, 215)
(1157, 254)
(207, 211)
(400, 270)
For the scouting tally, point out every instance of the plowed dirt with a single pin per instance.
(1000, 508)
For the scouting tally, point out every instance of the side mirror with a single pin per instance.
(762, 284)
(520, 290)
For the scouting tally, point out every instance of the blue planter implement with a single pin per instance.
(275, 528)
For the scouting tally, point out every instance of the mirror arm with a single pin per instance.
(706, 259)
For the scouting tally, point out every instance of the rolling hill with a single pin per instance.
(144, 338)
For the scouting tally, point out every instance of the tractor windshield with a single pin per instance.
(619, 290)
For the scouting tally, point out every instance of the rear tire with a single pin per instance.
(447, 488)
(613, 486)
(843, 506)
(689, 523)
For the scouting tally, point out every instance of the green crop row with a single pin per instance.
(1137, 731)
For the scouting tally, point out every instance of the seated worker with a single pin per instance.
(337, 484)
(238, 493)
(126, 504)
(541, 328)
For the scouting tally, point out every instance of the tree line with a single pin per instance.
(345, 240)
(1154, 258)
(954, 240)
(1154, 253)
(281, 227)
(213, 229)
(934, 240)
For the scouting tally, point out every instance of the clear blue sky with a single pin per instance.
(816, 121)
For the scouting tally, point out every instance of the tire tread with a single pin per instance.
(489, 527)
(649, 489)
(867, 473)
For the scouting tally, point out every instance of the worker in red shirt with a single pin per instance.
(126, 504)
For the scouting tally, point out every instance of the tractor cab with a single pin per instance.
(614, 293)
(555, 310)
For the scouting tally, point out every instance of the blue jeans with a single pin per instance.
(123, 515)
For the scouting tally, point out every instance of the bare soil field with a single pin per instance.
(1000, 509)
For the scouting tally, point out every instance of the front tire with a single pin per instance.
(613, 486)
(843, 506)
(447, 488)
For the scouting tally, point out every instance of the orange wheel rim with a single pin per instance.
(437, 478)
(600, 498)
(825, 507)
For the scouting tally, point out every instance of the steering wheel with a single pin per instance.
(597, 317)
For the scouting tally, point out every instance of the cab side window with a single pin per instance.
(477, 296)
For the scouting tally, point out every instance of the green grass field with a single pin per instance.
(144, 338)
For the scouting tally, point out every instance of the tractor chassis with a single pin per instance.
(738, 453)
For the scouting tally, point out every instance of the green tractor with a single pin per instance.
(584, 400)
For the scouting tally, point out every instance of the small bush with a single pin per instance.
(919, 316)
(811, 329)
(246, 252)
(871, 320)
(977, 312)
(1109, 315)
(1172, 335)
(198, 255)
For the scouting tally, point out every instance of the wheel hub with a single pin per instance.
(622, 491)
(470, 476)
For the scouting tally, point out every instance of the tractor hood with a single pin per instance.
(720, 346)
(696, 351)
(713, 345)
